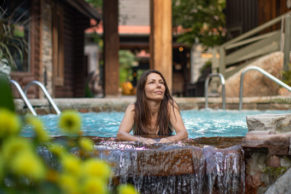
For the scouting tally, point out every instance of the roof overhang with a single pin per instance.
(84, 8)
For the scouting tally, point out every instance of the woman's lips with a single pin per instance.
(158, 92)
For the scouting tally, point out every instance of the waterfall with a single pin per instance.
(175, 168)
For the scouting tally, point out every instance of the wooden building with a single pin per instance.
(244, 15)
(54, 31)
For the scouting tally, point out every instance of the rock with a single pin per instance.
(274, 161)
(255, 83)
(279, 123)
(282, 185)
(277, 144)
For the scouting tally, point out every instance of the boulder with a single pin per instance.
(279, 123)
(282, 185)
(255, 83)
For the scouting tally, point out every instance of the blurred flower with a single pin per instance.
(69, 184)
(86, 144)
(70, 122)
(126, 189)
(71, 164)
(9, 123)
(27, 164)
(96, 168)
(14, 145)
(38, 128)
(52, 175)
(94, 186)
(57, 149)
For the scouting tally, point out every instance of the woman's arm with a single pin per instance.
(126, 126)
(178, 125)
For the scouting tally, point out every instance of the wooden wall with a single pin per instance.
(74, 63)
(244, 15)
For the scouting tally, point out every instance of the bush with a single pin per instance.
(24, 167)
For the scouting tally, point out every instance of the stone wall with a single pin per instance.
(268, 154)
(46, 46)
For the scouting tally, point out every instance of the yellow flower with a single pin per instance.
(9, 123)
(71, 164)
(69, 184)
(57, 149)
(126, 189)
(14, 145)
(94, 186)
(70, 122)
(96, 168)
(38, 128)
(28, 164)
(86, 144)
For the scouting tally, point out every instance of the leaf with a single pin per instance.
(6, 98)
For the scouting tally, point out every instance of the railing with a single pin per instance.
(271, 77)
(253, 44)
(45, 92)
(23, 96)
(222, 81)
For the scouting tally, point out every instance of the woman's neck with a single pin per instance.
(154, 107)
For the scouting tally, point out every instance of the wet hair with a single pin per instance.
(142, 115)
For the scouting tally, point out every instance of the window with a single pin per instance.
(14, 34)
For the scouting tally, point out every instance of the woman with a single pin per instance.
(154, 114)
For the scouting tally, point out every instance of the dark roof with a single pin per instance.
(84, 8)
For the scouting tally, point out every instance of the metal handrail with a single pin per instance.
(45, 92)
(222, 81)
(271, 77)
(23, 96)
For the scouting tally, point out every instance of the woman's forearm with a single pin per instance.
(178, 137)
(126, 137)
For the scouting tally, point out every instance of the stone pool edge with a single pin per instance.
(120, 103)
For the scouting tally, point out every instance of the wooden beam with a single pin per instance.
(111, 47)
(161, 38)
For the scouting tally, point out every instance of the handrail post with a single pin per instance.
(45, 92)
(23, 96)
(222, 81)
(222, 60)
(268, 75)
(287, 42)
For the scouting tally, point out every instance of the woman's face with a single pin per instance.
(154, 87)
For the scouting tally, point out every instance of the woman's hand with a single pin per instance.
(146, 140)
(164, 140)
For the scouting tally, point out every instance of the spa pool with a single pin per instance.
(199, 123)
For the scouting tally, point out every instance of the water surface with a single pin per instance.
(199, 123)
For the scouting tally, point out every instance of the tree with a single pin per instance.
(203, 21)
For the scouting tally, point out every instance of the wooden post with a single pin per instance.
(287, 42)
(111, 47)
(161, 38)
(222, 60)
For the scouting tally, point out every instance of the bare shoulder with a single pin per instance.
(172, 104)
(130, 108)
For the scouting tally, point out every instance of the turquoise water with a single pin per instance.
(199, 123)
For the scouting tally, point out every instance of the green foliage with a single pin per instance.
(275, 172)
(203, 21)
(12, 41)
(95, 3)
(287, 76)
(6, 99)
(126, 60)
(207, 65)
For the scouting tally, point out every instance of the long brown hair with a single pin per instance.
(142, 113)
